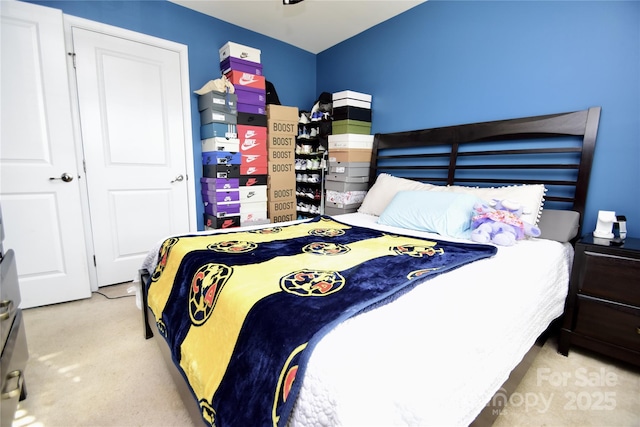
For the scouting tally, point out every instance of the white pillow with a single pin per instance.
(530, 196)
(383, 191)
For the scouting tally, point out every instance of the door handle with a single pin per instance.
(65, 177)
(178, 178)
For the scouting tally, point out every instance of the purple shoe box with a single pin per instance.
(231, 63)
(252, 108)
(221, 196)
(253, 96)
(222, 208)
(213, 184)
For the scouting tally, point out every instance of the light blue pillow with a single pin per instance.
(442, 212)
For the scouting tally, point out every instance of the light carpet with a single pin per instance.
(91, 366)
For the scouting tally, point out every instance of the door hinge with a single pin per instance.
(94, 261)
(73, 57)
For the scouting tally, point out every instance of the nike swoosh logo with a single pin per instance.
(251, 181)
(247, 79)
(249, 144)
(227, 223)
(251, 171)
(251, 158)
(251, 194)
(250, 134)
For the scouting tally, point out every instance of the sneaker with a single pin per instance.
(316, 116)
(304, 118)
(313, 178)
(313, 133)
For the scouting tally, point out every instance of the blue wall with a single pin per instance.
(448, 62)
(290, 69)
(451, 62)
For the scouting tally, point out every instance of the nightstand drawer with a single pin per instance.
(611, 277)
(612, 323)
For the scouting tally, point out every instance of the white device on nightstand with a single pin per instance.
(604, 227)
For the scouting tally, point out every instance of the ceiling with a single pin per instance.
(312, 25)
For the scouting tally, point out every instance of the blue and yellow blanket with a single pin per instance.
(242, 311)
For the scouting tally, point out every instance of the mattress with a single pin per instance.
(437, 354)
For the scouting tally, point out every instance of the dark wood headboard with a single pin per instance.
(555, 150)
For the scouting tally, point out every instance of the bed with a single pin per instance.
(448, 345)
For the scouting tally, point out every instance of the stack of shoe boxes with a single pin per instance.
(350, 146)
(283, 128)
(241, 65)
(220, 159)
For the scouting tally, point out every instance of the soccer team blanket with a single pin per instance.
(242, 311)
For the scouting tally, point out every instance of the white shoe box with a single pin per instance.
(239, 51)
(350, 140)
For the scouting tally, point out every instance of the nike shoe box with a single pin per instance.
(255, 97)
(282, 112)
(253, 180)
(254, 218)
(247, 81)
(347, 155)
(210, 116)
(251, 108)
(220, 101)
(214, 222)
(351, 126)
(251, 136)
(282, 210)
(350, 140)
(222, 130)
(350, 102)
(281, 141)
(253, 194)
(253, 169)
(221, 196)
(221, 158)
(224, 208)
(221, 144)
(349, 169)
(221, 171)
(252, 119)
(254, 147)
(350, 94)
(342, 187)
(352, 113)
(257, 159)
(231, 63)
(213, 184)
(236, 50)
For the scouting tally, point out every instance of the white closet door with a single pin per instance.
(130, 98)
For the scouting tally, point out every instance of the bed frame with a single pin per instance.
(555, 150)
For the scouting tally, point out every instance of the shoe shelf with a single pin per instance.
(310, 167)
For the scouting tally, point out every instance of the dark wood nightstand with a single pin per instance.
(602, 312)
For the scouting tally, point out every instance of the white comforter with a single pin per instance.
(436, 355)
